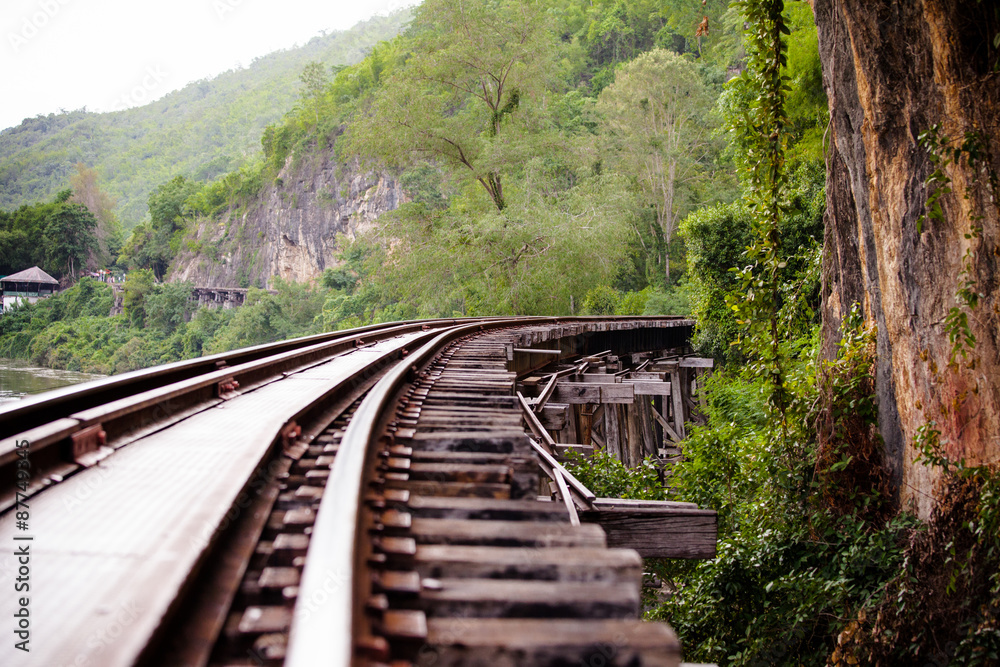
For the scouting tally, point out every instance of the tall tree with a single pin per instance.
(69, 236)
(315, 79)
(87, 191)
(475, 81)
(656, 115)
(153, 244)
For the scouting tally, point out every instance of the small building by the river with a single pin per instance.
(26, 286)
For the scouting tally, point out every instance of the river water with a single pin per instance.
(19, 378)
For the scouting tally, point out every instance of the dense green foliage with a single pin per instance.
(608, 477)
(815, 565)
(528, 192)
(202, 131)
(155, 242)
(160, 324)
(57, 237)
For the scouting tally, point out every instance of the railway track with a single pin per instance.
(369, 497)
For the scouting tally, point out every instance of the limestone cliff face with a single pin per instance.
(291, 230)
(891, 71)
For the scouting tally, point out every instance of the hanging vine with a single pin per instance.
(764, 133)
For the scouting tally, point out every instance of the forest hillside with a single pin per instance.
(205, 129)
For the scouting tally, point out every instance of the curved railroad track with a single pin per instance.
(361, 497)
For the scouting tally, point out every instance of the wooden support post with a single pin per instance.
(654, 407)
(585, 414)
(650, 446)
(686, 392)
(633, 445)
(598, 413)
(677, 402)
(571, 432)
(612, 431)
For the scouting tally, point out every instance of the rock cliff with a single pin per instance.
(892, 70)
(290, 230)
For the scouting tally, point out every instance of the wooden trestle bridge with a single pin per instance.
(386, 495)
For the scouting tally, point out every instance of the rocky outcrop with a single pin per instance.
(291, 230)
(891, 71)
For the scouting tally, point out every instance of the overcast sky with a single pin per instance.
(108, 54)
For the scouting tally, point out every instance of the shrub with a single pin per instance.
(601, 300)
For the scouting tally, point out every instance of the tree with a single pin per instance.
(138, 286)
(656, 115)
(315, 80)
(166, 202)
(88, 192)
(22, 234)
(153, 244)
(475, 80)
(69, 236)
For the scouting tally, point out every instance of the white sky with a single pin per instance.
(111, 54)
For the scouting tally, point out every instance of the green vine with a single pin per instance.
(943, 152)
(764, 130)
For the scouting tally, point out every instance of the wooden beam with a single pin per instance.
(536, 426)
(599, 377)
(543, 398)
(546, 454)
(586, 421)
(633, 443)
(647, 388)
(594, 392)
(555, 416)
(678, 403)
(612, 432)
(632, 503)
(574, 517)
(666, 427)
(570, 428)
(646, 375)
(696, 362)
(650, 446)
(659, 532)
(583, 450)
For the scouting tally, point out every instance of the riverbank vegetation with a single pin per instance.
(616, 158)
(73, 330)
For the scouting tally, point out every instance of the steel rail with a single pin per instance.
(116, 419)
(329, 618)
(33, 411)
(331, 627)
(328, 626)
